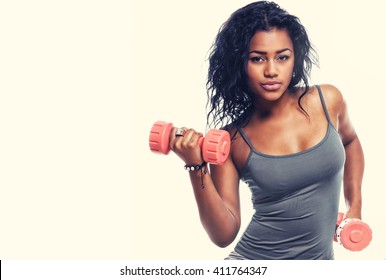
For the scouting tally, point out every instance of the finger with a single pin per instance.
(192, 139)
(176, 137)
(179, 132)
(189, 136)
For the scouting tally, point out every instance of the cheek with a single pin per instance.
(253, 83)
(288, 71)
(291, 66)
(254, 73)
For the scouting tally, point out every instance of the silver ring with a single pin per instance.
(180, 132)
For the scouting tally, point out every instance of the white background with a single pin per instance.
(81, 83)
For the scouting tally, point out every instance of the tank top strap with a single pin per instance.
(246, 139)
(323, 103)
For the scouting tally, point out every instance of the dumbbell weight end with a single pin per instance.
(159, 137)
(353, 234)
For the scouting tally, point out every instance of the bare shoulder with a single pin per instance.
(232, 130)
(333, 98)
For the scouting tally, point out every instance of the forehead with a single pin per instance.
(275, 39)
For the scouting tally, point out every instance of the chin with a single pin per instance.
(271, 95)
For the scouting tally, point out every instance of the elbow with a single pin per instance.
(223, 241)
(223, 244)
(222, 235)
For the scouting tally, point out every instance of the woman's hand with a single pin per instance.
(187, 145)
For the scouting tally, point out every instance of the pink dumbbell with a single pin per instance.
(215, 146)
(352, 234)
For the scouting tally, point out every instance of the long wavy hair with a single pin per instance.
(229, 97)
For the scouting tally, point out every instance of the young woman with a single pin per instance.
(292, 143)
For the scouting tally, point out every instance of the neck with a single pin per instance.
(264, 108)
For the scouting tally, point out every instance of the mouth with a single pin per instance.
(271, 85)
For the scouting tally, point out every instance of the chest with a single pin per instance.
(280, 137)
(286, 136)
(272, 177)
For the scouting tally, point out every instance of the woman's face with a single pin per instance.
(270, 63)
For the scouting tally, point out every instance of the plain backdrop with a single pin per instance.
(82, 82)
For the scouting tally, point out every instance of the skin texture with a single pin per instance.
(283, 129)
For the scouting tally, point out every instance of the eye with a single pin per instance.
(257, 59)
(283, 58)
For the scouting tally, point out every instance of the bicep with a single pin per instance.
(337, 107)
(226, 181)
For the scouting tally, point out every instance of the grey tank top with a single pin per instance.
(295, 198)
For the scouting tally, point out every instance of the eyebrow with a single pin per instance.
(261, 52)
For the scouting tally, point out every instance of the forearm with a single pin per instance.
(216, 218)
(353, 175)
(214, 202)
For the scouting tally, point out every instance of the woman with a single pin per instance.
(292, 143)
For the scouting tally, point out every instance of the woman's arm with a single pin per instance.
(354, 165)
(218, 201)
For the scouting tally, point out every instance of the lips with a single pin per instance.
(271, 85)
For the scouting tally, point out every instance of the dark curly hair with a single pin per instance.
(229, 97)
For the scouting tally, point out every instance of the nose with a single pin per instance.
(270, 69)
